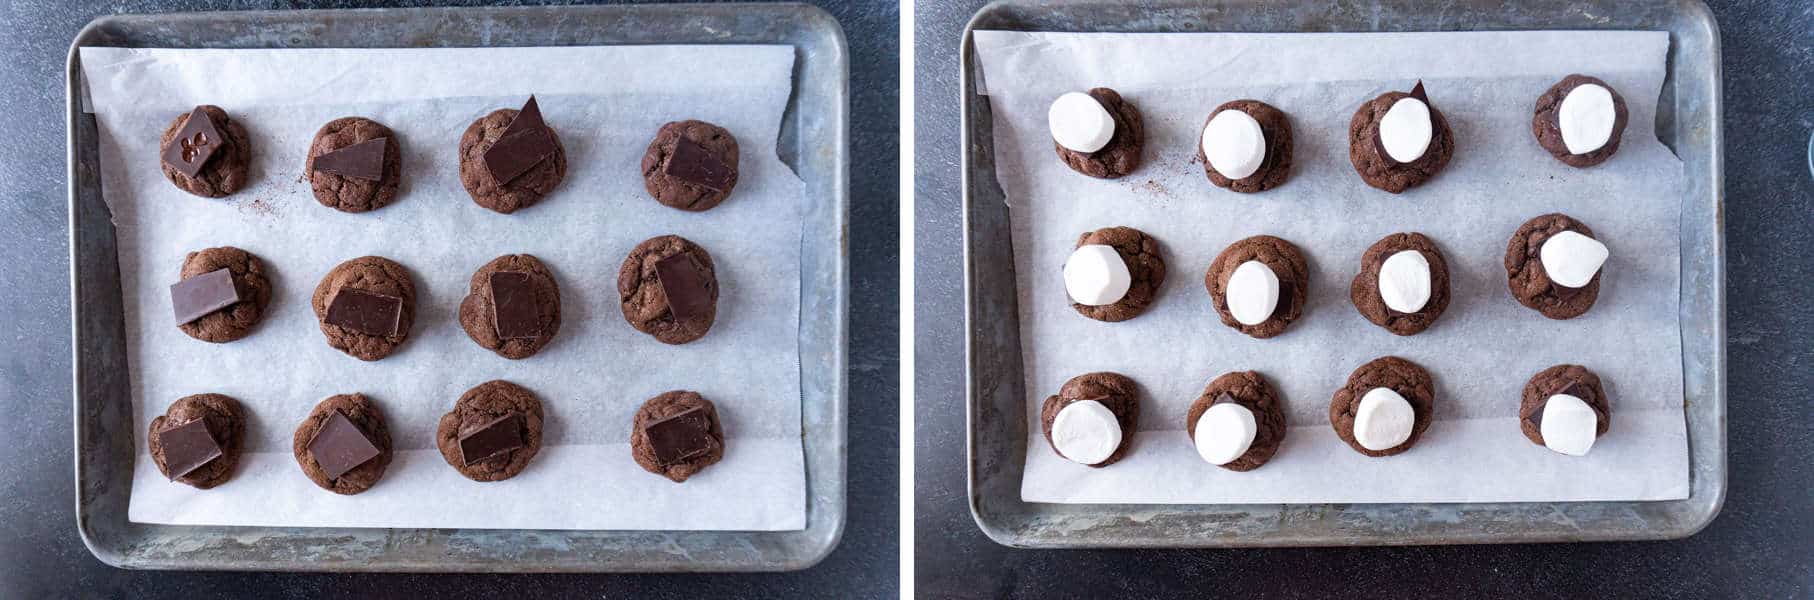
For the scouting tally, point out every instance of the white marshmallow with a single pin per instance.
(1095, 275)
(1571, 259)
(1252, 293)
(1086, 432)
(1405, 130)
(1225, 432)
(1383, 420)
(1569, 425)
(1404, 281)
(1234, 144)
(1080, 123)
(1586, 118)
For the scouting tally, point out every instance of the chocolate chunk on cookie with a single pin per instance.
(511, 159)
(343, 445)
(493, 431)
(676, 435)
(1552, 265)
(1580, 120)
(197, 440)
(512, 306)
(208, 157)
(1114, 273)
(1399, 140)
(1097, 134)
(354, 165)
(668, 289)
(690, 165)
(1259, 285)
(1563, 408)
(228, 309)
(1238, 422)
(1245, 146)
(366, 306)
(1092, 419)
(1383, 408)
(1403, 285)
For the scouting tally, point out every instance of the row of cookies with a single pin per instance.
(1239, 420)
(1259, 285)
(1396, 141)
(493, 431)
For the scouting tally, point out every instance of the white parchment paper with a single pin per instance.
(1483, 349)
(605, 103)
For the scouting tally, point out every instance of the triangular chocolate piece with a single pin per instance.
(524, 144)
(1417, 92)
(364, 160)
(194, 144)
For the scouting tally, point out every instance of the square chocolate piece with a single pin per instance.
(524, 144)
(340, 446)
(697, 165)
(514, 311)
(492, 439)
(366, 312)
(194, 144)
(683, 282)
(680, 436)
(187, 447)
(364, 160)
(197, 296)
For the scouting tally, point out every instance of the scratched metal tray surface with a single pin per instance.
(1688, 121)
(814, 141)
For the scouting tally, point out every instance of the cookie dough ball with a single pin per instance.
(1238, 422)
(1114, 273)
(236, 320)
(343, 445)
(354, 165)
(668, 289)
(512, 306)
(1259, 285)
(676, 435)
(1093, 418)
(1097, 133)
(1403, 285)
(1383, 408)
(1399, 140)
(493, 431)
(1245, 146)
(365, 307)
(1580, 120)
(690, 165)
(1564, 409)
(212, 158)
(508, 192)
(197, 440)
(1552, 265)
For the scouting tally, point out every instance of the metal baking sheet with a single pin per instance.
(814, 141)
(1688, 121)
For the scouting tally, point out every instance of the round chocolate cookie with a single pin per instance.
(1276, 167)
(235, 320)
(1370, 300)
(369, 423)
(1547, 127)
(333, 187)
(697, 178)
(224, 170)
(1284, 261)
(374, 277)
(224, 423)
(1574, 380)
(1250, 390)
(1405, 379)
(1122, 154)
(1526, 277)
(690, 461)
(644, 298)
(502, 424)
(1145, 265)
(518, 192)
(1379, 169)
(530, 311)
(1116, 392)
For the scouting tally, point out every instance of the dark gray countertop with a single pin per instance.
(41, 555)
(1761, 545)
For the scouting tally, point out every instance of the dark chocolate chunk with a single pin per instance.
(681, 436)
(1417, 92)
(197, 296)
(1284, 297)
(696, 165)
(187, 447)
(194, 144)
(525, 144)
(364, 160)
(494, 438)
(1379, 146)
(365, 312)
(514, 310)
(340, 446)
(682, 281)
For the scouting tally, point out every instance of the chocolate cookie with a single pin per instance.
(1546, 125)
(1248, 389)
(690, 165)
(354, 165)
(1114, 391)
(197, 440)
(530, 164)
(1145, 266)
(365, 306)
(1283, 260)
(1277, 165)
(668, 289)
(492, 432)
(676, 435)
(1525, 275)
(1122, 154)
(343, 445)
(212, 158)
(1574, 380)
(512, 306)
(247, 275)
(1367, 296)
(1378, 168)
(1403, 377)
